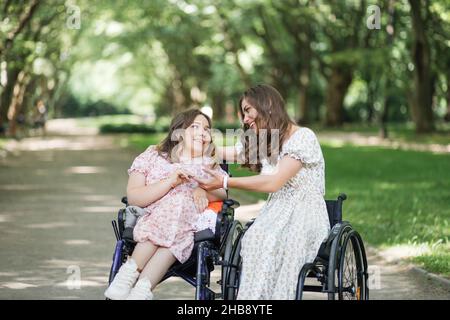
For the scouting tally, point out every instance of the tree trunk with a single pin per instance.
(370, 103)
(422, 96)
(337, 87)
(6, 95)
(17, 101)
(384, 133)
(303, 118)
(305, 76)
(447, 115)
(25, 19)
(219, 102)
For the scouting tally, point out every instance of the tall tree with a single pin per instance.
(422, 94)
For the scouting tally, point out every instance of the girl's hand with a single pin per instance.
(200, 199)
(215, 182)
(178, 177)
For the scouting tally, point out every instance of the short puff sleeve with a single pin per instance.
(143, 163)
(304, 146)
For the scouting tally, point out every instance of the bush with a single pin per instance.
(72, 107)
(132, 128)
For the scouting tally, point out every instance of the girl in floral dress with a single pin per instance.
(161, 181)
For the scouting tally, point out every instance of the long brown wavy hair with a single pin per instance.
(181, 121)
(272, 114)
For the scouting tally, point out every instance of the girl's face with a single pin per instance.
(197, 137)
(250, 113)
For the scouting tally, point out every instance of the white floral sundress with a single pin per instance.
(290, 227)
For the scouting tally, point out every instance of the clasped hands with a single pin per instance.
(200, 193)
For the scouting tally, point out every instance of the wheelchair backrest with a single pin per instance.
(225, 168)
(334, 208)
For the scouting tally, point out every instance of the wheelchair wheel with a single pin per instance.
(232, 278)
(341, 231)
(230, 243)
(352, 281)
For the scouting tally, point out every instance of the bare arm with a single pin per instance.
(142, 195)
(203, 197)
(216, 195)
(286, 169)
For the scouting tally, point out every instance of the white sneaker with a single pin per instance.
(142, 290)
(124, 280)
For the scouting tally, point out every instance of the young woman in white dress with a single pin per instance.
(288, 231)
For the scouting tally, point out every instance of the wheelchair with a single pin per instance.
(210, 250)
(340, 268)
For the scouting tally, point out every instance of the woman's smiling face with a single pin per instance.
(197, 136)
(249, 114)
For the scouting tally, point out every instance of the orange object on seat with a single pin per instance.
(215, 206)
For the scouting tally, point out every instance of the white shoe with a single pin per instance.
(142, 290)
(124, 280)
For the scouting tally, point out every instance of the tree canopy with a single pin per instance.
(328, 58)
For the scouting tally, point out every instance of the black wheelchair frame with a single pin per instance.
(340, 266)
(210, 249)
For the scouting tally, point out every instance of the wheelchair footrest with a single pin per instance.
(313, 288)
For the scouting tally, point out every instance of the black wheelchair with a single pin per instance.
(210, 250)
(340, 267)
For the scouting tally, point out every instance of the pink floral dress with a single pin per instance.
(172, 220)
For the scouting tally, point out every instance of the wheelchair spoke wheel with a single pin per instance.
(351, 273)
(229, 246)
(232, 278)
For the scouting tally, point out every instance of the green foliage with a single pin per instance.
(130, 128)
(158, 57)
(438, 262)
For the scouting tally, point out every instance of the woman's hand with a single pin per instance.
(215, 182)
(200, 199)
(178, 177)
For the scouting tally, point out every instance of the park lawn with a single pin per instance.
(116, 119)
(139, 141)
(3, 142)
(400, 132)
(395, 197)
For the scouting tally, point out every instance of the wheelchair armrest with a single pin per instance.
(127, 234)
(121, 221)
(230, 203)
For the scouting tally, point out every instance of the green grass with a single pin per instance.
(3, 142)
(437, 262)
(97, 122)
(394, 196)
(139, 141)
(401, 132)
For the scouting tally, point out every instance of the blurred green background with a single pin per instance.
(128, 66)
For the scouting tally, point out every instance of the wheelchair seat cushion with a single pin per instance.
(204, 235)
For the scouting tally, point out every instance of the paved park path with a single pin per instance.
(58, 196)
